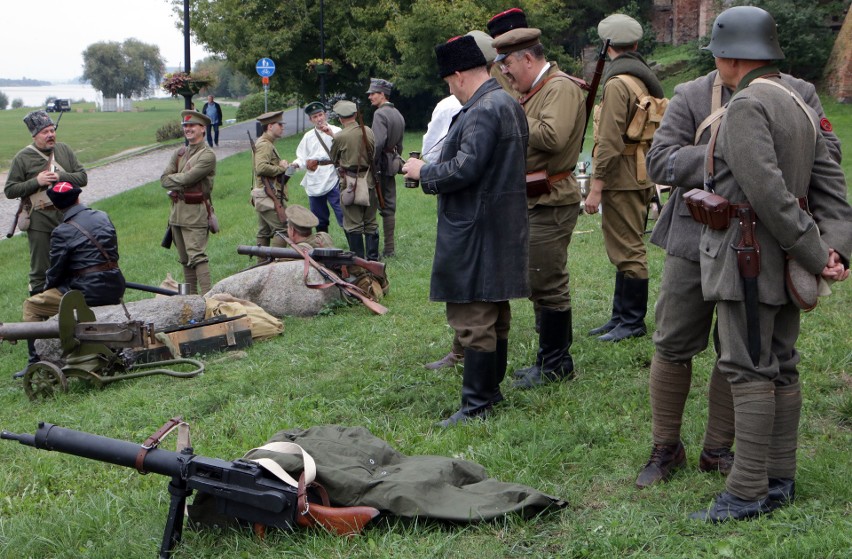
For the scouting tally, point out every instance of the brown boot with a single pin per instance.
(449, 360)
(664, 462)
(716, 460)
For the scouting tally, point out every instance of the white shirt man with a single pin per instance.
(320, 181)
(442, 115)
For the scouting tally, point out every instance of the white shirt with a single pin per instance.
(442, 115)
(321, 181)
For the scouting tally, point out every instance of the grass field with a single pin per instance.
(583, 440)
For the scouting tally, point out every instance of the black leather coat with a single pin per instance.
(71, 250)
(481, 250)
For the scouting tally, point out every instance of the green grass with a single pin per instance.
(95, 135)
(583, 440)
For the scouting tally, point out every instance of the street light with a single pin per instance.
(187, 97)
(322, 50)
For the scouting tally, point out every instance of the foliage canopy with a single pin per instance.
(128, 68)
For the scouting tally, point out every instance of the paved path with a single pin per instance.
(135, 170)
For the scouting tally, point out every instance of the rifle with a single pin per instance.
(269, 189)
(14, 225)
(332, 257)
(240, 489)
(345, 287)
(376, 176)
(593, 87)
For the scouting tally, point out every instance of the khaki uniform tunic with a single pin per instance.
(266, 164)
(348, 153)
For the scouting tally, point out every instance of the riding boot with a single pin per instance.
(634, 302)
(477, 387)
(615, 318)
(371, 241)
(190, 278)
(202, 272)
(356, 243)
(262, 241)
(388, 227)
(502, 364)
(554, 344)
(32, 357)
(322, 228)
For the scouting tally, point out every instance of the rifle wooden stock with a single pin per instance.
(342, 521)
(279, 207)
(14, 225)
(593, 87)
(334, 258)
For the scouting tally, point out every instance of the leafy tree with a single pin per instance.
(4, 101)
(17, 103)
(230, 83)
(127, 68)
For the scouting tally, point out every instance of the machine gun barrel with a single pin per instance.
(331, 257)
(150, 288)
(14, 331)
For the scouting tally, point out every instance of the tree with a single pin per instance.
(230, 83)
(4, 101)
(129, 68)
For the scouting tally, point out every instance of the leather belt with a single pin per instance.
(96, 268)
(733, 209)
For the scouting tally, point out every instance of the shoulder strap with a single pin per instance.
(322, 143)
(94, 241)
(633, 83)
(270, 465)
(716, 111)
(795, 97)
(560, 74)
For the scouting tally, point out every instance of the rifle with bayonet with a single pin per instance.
(593, 87)
(275, 194)
(334, 258)
(240, 490)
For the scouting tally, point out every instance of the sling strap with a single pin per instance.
(110, 264)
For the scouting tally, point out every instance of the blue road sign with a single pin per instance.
(265, 67)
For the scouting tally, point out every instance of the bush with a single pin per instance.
(4, 101)
(252, 106)
(17, 103)
(170, 131)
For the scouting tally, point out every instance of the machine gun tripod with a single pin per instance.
(89, 349)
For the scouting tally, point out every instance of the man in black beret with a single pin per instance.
(481, 247)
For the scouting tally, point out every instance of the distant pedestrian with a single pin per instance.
(214, 112)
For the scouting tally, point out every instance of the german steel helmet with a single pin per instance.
(746, 33)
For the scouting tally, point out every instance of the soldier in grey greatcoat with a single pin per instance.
(481, 249)
(683, 318)
(767, 153)
(388, 128)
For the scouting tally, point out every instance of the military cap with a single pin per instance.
(515, 40)
(483, 41)
(457, 55)
(513, 18)
(271, 117)
(378, 85)
(345, 109)
(621, 30)
(63, 194)
(315, 107)
(194, 117)
(300, 216)
(37, 121)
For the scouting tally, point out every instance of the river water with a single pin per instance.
(37, 96)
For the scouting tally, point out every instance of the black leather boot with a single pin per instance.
(500, 369)
(32, 358)
(634, 297)
(478, 387)
(372, 242)
(554, 343)
(615, 318)
(356, 243)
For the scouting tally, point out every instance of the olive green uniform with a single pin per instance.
(21, 182)
(349, 154)
(266, 164)
(318, 240)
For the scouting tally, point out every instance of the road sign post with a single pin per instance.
(265, 68)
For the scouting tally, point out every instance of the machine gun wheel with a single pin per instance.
(42, 378)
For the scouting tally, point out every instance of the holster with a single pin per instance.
(708, 208)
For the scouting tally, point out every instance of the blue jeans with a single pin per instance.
(319, 206)
(213, 135)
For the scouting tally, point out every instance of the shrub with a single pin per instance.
(170, 131)
(252, 106)
(17, 103)
(4, 101)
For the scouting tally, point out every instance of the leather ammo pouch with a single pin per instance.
(538, 184)
(193, 196)
(708, 208)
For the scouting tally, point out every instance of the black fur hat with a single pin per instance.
(458, 54)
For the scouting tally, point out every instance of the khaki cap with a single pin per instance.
(515, 40)
(345, 108)
(300, 216)
(621, 30)
(483, 41)
(271, 117)
(194, 117)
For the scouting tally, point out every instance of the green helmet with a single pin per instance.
(746, 33)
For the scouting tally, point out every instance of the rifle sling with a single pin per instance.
(154, 440)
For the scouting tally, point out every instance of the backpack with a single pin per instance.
(649, 111)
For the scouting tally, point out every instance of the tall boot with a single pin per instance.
(781, 468)
(32, 357)
(371, 241)
(747, 484)
(634, 297)
(356, 243)
(388, 227)
(615, 318)
(669, 388)
(202, 271)
(716, 456)
(191, 278)
(477, 387)
(554, 344)
(502, 362)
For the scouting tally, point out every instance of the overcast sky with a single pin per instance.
(45, 39)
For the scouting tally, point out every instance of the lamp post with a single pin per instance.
(187, 97)
(322, 49)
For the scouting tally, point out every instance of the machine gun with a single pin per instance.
(240, 490)
(333, 258)
(88, 347)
